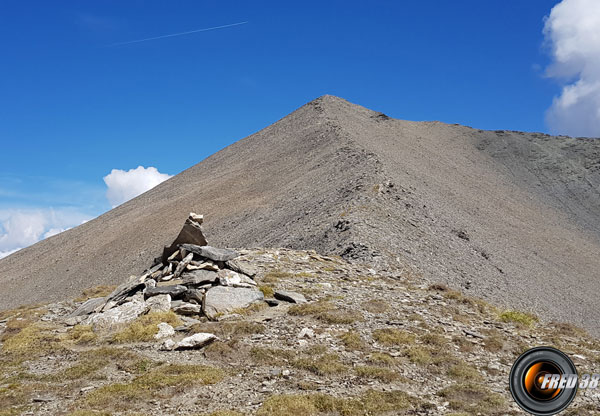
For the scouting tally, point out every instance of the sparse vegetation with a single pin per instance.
(376, 306)
(123, 396)
(326, 312)
(370, 402)
(267, 291)
(393, 336)
(522, 319)
(474, 399)
(321, 365)
(81, 334)
(352, 341)
(95, 292)
(371, 372)
(145, 327)
(464, 372)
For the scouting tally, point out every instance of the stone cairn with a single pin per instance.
(190, 278)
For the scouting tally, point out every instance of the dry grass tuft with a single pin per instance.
(81, 334)
(521, 319)
(474, 399)
(382, 374)
(321, 365)
(393, 337)
(145, 327)
(172, 377)
(326, 312)
(352, 341)
(95, 292)
(369, 403)
(376, 306)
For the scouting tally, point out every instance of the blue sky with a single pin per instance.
(73, 108)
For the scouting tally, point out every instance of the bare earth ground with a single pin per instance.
(378, 342)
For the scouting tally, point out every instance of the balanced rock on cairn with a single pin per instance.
(190, 277)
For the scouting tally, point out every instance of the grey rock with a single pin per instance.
(168, 345)
(195, 341)
(186, 308)
(173, 290)
(193, 295)
(231, 278)
(89, 306)
(237, 266)
(121, 314)
(190, 233)
(272, 302)
(159, 303)
(74, 320)
(212, 253)
(199, 277)
(183, 264)
(223, 299)
(164, 330)
(287, 296)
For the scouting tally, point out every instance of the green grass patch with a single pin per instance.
(474, 399)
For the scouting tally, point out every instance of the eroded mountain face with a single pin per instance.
(506, 216)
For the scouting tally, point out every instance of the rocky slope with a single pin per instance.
(365, 342)
(511, 217)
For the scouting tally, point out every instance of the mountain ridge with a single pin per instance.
(508, 216)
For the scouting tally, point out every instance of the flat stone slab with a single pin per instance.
(186, 308)
(212, 253)
(89, 306)
(172, 290)
(195, 341)
(231, 278)
(292, 297)
(121, 314)
(240, 267)
(199, 277)
(222, 299)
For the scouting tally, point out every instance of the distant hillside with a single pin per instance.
(508, 216)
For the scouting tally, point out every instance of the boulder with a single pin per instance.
(195, 341)
(211, 253)
(292, 297)
(159, 303)
(173, 290)
(223, 299)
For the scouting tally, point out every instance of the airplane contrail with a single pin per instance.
(178, 34)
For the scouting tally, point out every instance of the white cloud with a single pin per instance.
(22, 227)
(572, 31)
(125, 185)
